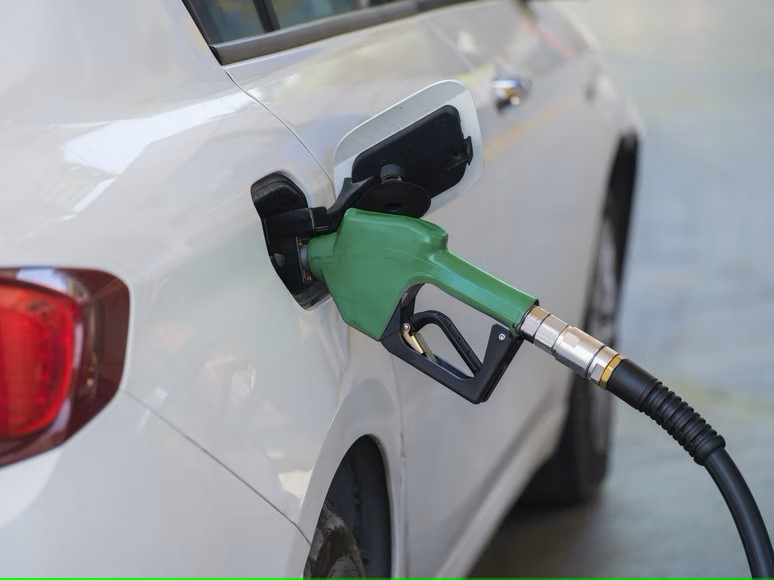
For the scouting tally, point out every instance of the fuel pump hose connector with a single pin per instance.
(603, 366)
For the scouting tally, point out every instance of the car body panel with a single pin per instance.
(139, 162)
(131, 495)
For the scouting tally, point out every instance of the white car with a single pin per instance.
(168, 406)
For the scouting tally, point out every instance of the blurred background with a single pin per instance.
(698, 303)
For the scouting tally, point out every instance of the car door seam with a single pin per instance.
(284, 124)
(180, 432)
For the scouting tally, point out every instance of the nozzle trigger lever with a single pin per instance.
(403, 339)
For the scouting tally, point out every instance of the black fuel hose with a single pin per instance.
(602, 365)
(647, 394)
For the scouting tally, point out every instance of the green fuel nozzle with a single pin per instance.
(374, 258)
(374, 265)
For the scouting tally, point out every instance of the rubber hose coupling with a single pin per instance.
(648, 395)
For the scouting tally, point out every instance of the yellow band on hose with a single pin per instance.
(609, 370)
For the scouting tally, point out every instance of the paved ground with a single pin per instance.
(699, 299)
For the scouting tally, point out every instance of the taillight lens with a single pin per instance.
(40, 332)
(62, 344)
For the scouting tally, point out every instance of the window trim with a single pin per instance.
(277, 40)
(264, 10)
(267, 14)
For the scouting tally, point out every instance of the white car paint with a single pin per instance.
(126, 147)
(135, 497)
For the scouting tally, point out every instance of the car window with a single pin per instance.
(224, 20)
(238, 30)
(291, 12)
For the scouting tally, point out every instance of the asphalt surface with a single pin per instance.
(698, 304)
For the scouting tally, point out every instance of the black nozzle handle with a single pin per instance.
(467, 354)
(477, 388)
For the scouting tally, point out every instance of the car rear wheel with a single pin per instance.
(334, 552)
(579, 463)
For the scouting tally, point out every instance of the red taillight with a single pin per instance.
(39, 336)
(62, 346)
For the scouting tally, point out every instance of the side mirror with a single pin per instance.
(430, 140)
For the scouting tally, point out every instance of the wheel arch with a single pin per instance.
(359, 472)
(622, 184)
(360, 496)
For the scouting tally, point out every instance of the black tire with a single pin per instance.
(334, 552)
(575, 471)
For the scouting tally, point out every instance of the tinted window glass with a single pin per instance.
(290, 12)
(228, 19)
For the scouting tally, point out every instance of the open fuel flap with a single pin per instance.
(408, 160)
